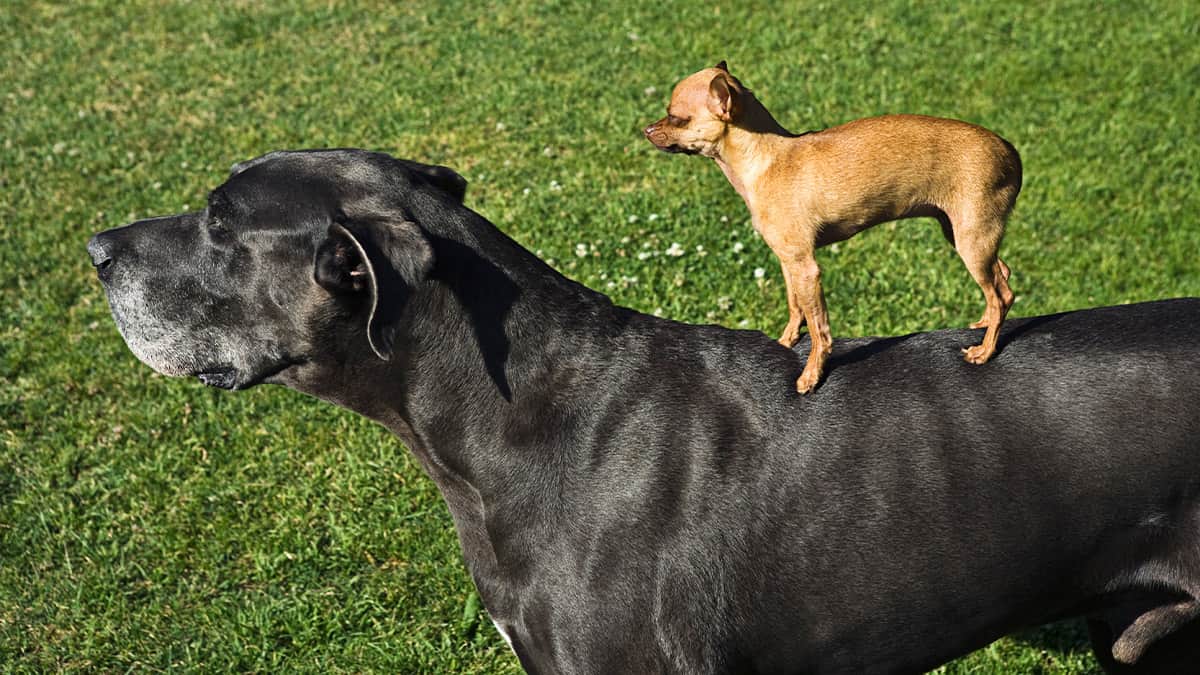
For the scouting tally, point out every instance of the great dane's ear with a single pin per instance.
(242, 166)
(441, 177)
(385, 259)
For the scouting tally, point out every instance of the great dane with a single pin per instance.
(638, 495)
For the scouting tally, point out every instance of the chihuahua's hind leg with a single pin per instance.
(977, 243)
(1000, 273)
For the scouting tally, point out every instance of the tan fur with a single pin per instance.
(806, 191)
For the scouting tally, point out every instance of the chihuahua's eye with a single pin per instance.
(677, 121)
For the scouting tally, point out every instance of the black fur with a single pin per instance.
(637, 495)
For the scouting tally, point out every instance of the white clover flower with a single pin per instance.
(499, 126)
(633, 219)
(581, 250)
(738, 246)
(759, 273)
(658, 311)
(743, 323)
(724, 219)
(650, 91)
(548, 151)
(555, 185)
(675, 250)
(526, 191)
(652, 217)
(644, 255)
(724, 303)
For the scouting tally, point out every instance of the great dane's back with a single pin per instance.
(913, 492)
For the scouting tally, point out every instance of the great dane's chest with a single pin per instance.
(550, 611)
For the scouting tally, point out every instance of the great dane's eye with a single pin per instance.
(213, 223)
(217, 210)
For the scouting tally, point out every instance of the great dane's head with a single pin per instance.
(294, 249)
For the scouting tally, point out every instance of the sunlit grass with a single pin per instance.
(148, 523)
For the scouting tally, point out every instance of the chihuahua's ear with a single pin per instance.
(723, 94)
(722, 66)
(383, 260)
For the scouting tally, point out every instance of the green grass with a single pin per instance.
(149, 524)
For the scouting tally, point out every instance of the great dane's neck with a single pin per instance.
(494, 355)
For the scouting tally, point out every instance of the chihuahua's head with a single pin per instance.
(702, 107)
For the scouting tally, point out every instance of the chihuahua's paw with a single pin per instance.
(807, 381)
(977, 354)
(791, 335)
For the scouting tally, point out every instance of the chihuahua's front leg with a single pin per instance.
(791, 332)
(805, 277)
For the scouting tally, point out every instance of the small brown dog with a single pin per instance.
(808, 190)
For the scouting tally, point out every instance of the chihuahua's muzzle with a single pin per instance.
(658, 138)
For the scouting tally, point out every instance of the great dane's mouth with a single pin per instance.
(231, 378)
(221, 377)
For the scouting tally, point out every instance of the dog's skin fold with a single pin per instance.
(637, 495)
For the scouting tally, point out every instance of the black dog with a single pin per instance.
(636, 495)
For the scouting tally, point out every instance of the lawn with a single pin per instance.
(150, 524)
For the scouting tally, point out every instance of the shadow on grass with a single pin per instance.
(1067, 637)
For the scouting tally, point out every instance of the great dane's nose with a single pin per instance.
(100, 248)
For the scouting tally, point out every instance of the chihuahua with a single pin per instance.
(808, 190)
